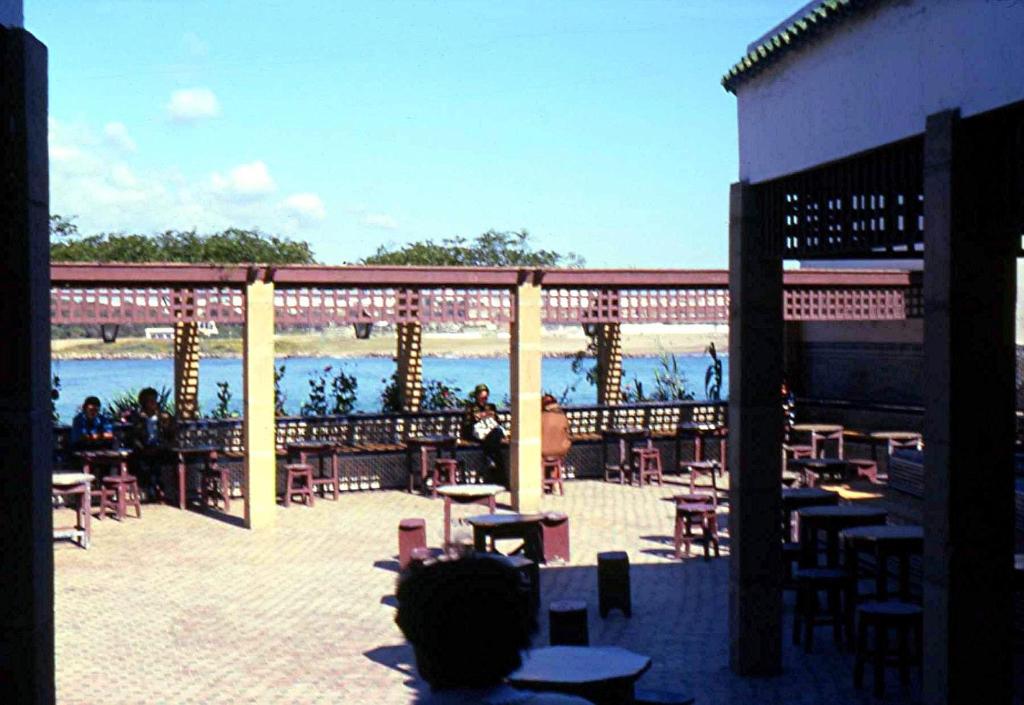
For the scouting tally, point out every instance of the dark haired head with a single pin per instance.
(91, 401)
(467, 619)
(548, 400)
(148, 393)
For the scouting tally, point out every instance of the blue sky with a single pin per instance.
(600, 127)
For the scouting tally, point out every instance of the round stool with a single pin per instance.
(446, 472)
(553, 468)
(118, 492)
(567, 623)
(418, 557)
(647, 462)
(530, 576)
(554, 528)
(412, 533)
(613, 590)
(294, 473)
(809, 582)
(905, 619)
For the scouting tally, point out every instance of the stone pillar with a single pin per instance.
(410, 366)
(526, 392)
(26, 428)
(755, 441)
(186, 369)
(609, 363)
(258, 380)
(969, 292)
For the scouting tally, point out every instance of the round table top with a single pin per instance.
(579, 664)
(700, 428)
(694, 508)
(502, 519)
(624, 432)
(886, 533)
(430, 440)
(313, 444)
(896, 435)
(818, 427)
(71, 478)
(469, 491)
(841, 511)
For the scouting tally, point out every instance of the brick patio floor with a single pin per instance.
(182, 607)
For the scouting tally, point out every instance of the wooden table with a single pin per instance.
(98, 463)
(883, 542)
(821, 432)
(424, 445)
(816, 469)
(77, 485)
(832, 520)
(605, 675)
(796, 498)
(697, 432)
(897, 439)
(627, 439)
(208, 456)
(510, 526)
(466, 494)
(321, 450)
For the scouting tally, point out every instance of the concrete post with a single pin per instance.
(186, 369)
(258, 374)
(969, 291)
(755, 441)
(526, 393)
(26, 429)
(410, 366)
(609, 363)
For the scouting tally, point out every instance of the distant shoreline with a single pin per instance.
(383, 346)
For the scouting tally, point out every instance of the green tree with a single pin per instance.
(231, 246)
(491, 249)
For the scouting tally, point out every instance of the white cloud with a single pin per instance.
(380, 220)
(191, 104)
(244, 182)
(117, 135)
(306, 206)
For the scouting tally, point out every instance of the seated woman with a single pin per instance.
(480, 423)
(91, 430)
(554, 424)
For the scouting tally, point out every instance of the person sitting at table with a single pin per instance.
(555, 440)
(480, 423)
(90, 429)
(152, 435)
(468, 620)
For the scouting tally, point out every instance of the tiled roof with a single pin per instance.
(818, 18)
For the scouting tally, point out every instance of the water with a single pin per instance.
(107, 378)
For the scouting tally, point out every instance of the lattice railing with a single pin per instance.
(692, 305)
(144, 305)
(316, 307)
(876, 304)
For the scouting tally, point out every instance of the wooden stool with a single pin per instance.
(567, 623)
(412, 533)
(553, 469)
(706, 515)
(791, 553)
(215, 484)
(647, 462)
(865, 468)
(905, 618)
(296, 472)
(696, 468)
(554, 528)
(809, 582)
(418, 556)
(118, 492)
(446, 472)
(613, 590)
(530, 575)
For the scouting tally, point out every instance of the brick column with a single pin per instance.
(410, 366)
(755, 441)
(609, 363)
(969, 291)
(258, 380)
(186, 369)
(26, 429)
(526, 391)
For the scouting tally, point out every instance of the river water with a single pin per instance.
(107, 378)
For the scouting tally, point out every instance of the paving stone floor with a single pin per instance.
(182, 607)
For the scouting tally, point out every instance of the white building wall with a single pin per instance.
(875, 77)
(12, 13)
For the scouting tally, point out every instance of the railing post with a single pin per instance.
(26, 429)
(755, 441)
(186, 369)
(260, 431)
(526, 392)
(969, 289)
(609, 363)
